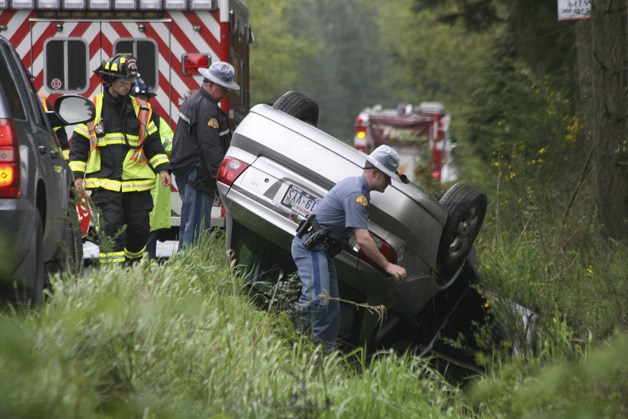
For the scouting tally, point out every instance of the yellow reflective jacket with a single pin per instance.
(144, 153)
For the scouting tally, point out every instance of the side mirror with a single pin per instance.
(71, 110)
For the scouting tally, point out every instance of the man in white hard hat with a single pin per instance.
(342, 213)
(200, 142)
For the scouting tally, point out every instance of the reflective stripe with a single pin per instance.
(118, 138)
(158, 159)
(83, 130)
(134, 255)
(143, 112)
(152, 128)
(185, 118)
(225, 132)
(111, 257)
(139, 155)
(138, 185)
(93, 139)
(120, 185)
(77, 166)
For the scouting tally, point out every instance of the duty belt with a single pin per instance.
(313, 234)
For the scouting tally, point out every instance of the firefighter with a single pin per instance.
(201, 140)
(342, 213)
(116, 156)
(160, 215)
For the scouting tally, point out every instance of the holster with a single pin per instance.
(307, 225)
(313, 235)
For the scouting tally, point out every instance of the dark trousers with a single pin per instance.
(130, 209)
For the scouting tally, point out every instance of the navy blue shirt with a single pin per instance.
(345, 207)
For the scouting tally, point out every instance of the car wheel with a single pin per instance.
(466, 208)
(31, 290)
(299, 106)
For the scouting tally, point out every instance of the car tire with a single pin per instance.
(298, 105)
(31, 289)
(466, 208)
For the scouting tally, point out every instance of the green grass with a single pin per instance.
(182, 340)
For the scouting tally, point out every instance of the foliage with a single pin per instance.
(346, 73)
(591, 383)
(274, 63)
(182, 340)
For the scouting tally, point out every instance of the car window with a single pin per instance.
(145, 51)
(69, 74)
(12, 98)
(29, 94)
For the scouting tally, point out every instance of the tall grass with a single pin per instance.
(182, 340)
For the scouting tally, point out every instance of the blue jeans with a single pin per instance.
(318, 276)
(151, 245)
(196, 211)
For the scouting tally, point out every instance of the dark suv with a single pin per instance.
(38, 222)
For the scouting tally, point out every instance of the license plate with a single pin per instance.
(300, 201)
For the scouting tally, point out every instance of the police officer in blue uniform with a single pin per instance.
(200, 142)
(343, 212)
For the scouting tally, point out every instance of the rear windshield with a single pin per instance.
(9, 88)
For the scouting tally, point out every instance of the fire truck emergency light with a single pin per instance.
(175, 5)
(74, 4)
(48, 4)
(124, 4)
(192, 62)
(100, 4)
(202, 4)
(150, 4)
(22, 4)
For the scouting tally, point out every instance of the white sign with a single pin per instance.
(574, 9)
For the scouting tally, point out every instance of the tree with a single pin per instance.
(610, 114)
(275, 53)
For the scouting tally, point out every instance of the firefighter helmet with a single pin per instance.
(141, 89)
(119, 66)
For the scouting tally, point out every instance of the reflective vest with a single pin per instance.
(160, 216)
(137, 175)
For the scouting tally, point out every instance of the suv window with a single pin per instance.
(145, 51)
(8, 86)
(66, 65)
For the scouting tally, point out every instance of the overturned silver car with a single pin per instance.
(276, 171)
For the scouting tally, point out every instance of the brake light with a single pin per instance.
(386, 250)
(9, 161)
(229, 170)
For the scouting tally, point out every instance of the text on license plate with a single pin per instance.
(299, 200)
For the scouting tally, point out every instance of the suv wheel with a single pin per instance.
(31, 290)
(466, 208)
(299, 106)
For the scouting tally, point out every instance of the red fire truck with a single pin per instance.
(61, 42)
(420, 135)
